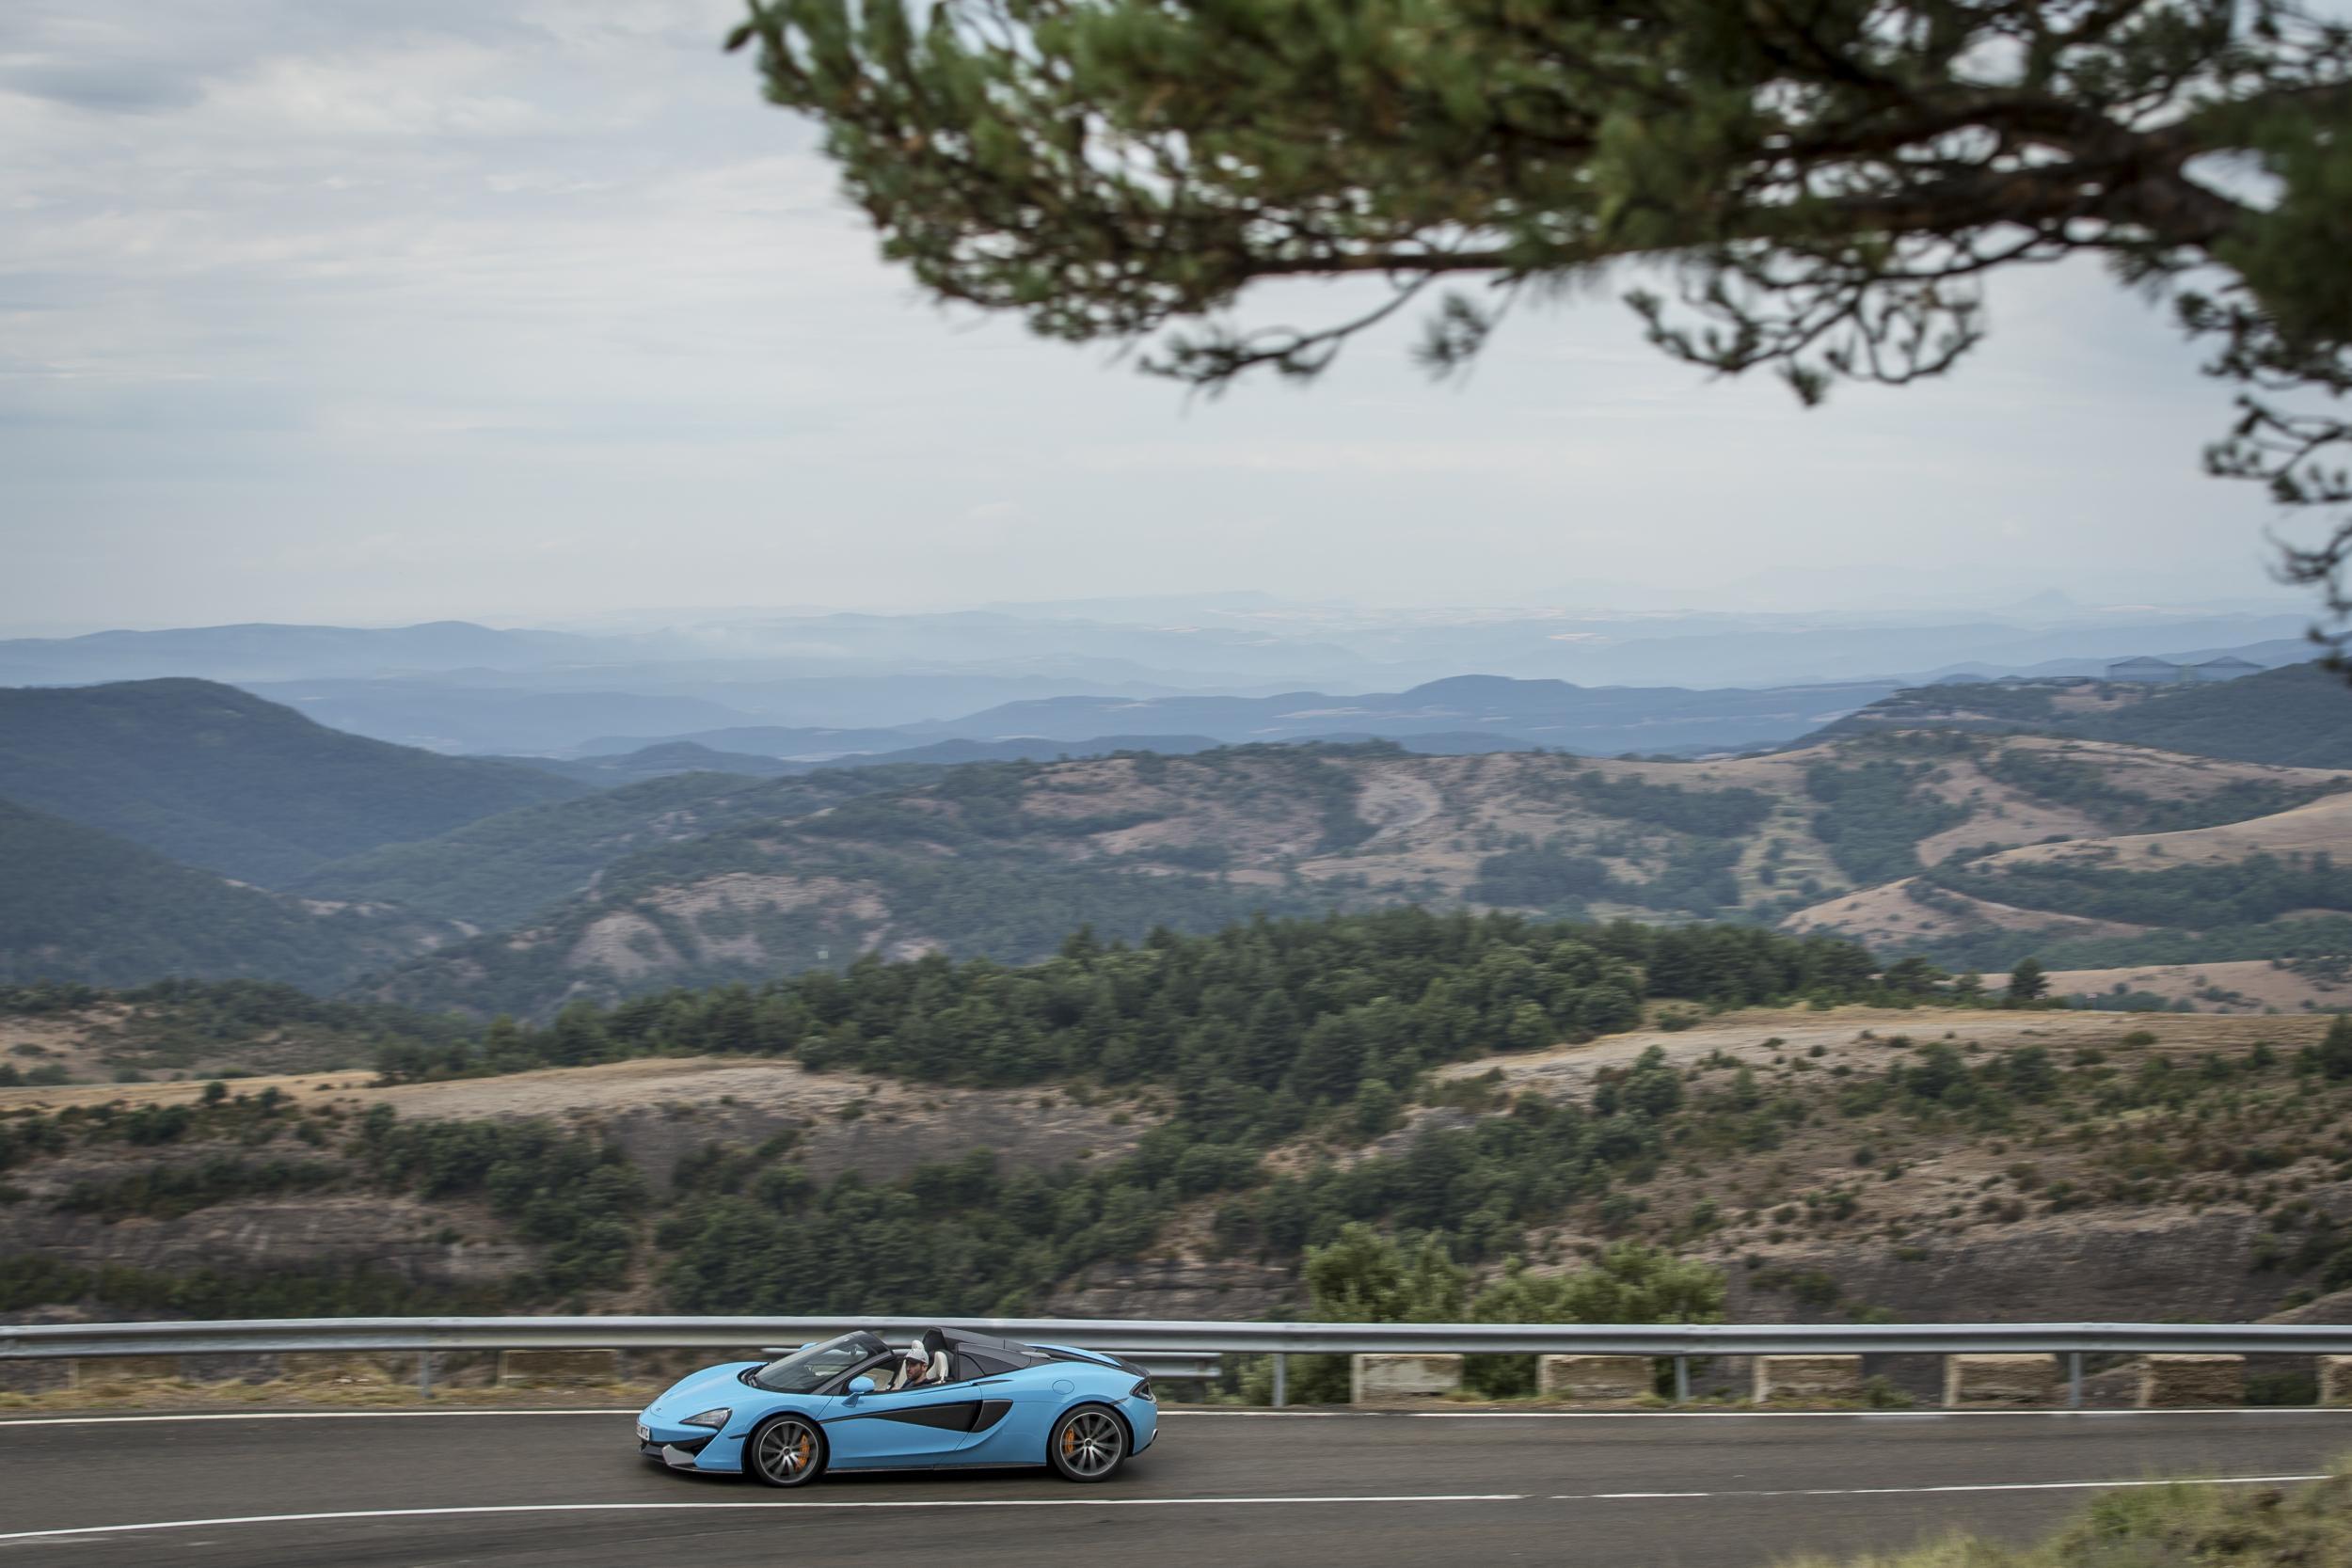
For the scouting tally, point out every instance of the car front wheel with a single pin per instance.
(788, 1450)
(1089, 1444)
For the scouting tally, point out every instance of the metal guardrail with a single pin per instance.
(1153, 1340)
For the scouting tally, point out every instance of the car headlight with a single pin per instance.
(711, 1418)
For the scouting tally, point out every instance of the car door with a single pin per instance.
(906, 1426)
(1000, 1386)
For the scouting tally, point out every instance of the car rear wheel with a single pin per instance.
(786, 1450)
(1089, 1444)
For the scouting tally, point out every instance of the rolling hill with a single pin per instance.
(604, 770)
(215, 777)
(2297, 716)
(1920, 837)
(77, 904)
(1004, 860)
(499, 870)
(2300, 716)
(2089, 854)
(1461, 714)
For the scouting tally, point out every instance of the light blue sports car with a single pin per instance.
(857, 1404)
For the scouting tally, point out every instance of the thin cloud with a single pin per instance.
(283, 280)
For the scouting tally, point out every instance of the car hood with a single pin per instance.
(708, 1390)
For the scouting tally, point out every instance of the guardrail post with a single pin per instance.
(2074, 1380)
(1282, 1366)
(1682, 1380)
(424, 1375)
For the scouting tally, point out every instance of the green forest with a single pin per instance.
(1254, 1033)
(81, 905)
(1873, 816)
(1253, 1023)
(2191, 897)
(743, 1228)
(2298, 717)
(217, 778)
(500, 870)
(2064, 781)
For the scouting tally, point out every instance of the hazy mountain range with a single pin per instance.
(1466, 713)
(993, 673)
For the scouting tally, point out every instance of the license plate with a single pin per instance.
(643, 1436)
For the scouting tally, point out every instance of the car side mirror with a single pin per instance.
(861, 1385)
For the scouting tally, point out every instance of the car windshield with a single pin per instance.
(812, 1367)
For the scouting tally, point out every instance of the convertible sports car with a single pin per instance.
(856, 1402)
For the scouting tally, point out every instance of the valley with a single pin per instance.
(1970, 847)
(1139, 1032)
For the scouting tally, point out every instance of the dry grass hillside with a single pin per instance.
(2322, 826)
(2249, 986)
(2169, 1168)
(72, 1210)
(190, 1031)
(1929, 1162)
(657, 1107)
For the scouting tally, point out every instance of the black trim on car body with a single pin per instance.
(956, 1416)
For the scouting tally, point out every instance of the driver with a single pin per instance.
(926, 1361)
(914, 1368)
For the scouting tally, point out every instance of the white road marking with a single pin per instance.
(679, 1507)
(1907, 1491)
(491, 1510)
(1734, 1414)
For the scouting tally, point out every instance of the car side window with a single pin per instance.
(983, 1366)
(873, 1368)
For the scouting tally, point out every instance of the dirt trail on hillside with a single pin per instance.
(651, 1081)
(659, 1109)
(1392, 801)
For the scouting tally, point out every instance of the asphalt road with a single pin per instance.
(1689, 1491)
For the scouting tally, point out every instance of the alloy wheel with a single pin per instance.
(1092, 1444)
(785, 1452)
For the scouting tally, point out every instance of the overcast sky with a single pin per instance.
(332, 310)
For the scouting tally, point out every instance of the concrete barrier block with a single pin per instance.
(2335, 1380)
(1594, 1379)
(2167, 1381)
(1810, 1378)
(1981, 1381)
(1373, 1379)
(526, 1366)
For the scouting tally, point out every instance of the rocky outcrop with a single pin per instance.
(1178, 1287)
(2134, 1266)
(441, 1245)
